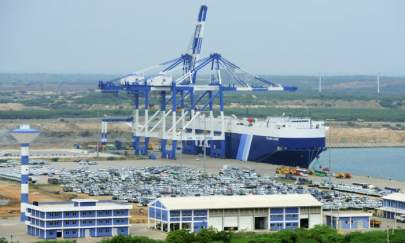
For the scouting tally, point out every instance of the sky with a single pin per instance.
(262, 36)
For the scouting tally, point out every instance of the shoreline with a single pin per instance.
(367, 146)
(46, 146)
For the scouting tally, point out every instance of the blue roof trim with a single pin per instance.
(25, 131)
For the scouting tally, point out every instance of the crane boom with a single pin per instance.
(197, 38)
(199, 33)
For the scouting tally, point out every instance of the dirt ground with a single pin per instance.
(47, 193)
(11, 190)
(365, 137)
(64, 133)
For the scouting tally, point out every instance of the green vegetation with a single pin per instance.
(50, 96)
(56, 241)
(60, 113)
(319, 234)
(339, 114)
(130, 239)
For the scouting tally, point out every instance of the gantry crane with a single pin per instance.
(197, 124)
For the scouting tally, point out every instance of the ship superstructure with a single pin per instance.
(277, 140)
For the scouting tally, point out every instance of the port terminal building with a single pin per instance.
(348, 220)
(237, 213)
(77, 218)
(393, 205)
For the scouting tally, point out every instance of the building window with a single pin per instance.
(276, 210)
(291, 210)
(200, 212)
(174, 213)
(277, 217)
(276, 226)
(291, 225)
(291, 217)
(186, 213)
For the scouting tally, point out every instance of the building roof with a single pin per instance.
(69, 206)
(392, 210)
(84, 200)
(397, 196)
(248, 201)
(344, 213)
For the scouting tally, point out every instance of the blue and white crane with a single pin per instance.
(185, 93)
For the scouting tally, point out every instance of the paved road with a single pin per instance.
(53, 153)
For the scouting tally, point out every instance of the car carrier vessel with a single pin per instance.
(277, 140)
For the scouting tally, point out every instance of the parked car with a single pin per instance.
(401, 218)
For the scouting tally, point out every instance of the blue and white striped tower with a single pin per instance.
(24, 135)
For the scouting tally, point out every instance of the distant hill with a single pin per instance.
(356, 85)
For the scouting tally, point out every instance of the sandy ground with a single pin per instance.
(11, 191)
(365, 137)
(48, 193)
(57, 133)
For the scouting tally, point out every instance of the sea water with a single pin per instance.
(386, 163)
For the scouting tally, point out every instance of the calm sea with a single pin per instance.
(375, 162)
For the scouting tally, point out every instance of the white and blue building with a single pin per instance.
(393, 205)
(78, 218)
(348, 220)
(247, 213)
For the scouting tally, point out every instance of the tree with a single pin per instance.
(180, 236)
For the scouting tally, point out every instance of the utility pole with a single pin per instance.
(395, 220)
(388, 234)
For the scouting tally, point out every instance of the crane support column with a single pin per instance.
(135, 122)
(174, 117)
(182, 108)
(192, 108)
(163, 140)
(146, 126)
(221, 111)
(211, 103)
(211, 121)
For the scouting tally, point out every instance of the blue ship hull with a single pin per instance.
(284, 151)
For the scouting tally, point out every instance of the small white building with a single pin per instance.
(348, 220)
(393, 205)
(240, 213)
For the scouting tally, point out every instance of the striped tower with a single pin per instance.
(24, 135)
(104, 126)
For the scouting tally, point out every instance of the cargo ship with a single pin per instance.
(277, 140)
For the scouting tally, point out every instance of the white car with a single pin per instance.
(400, 218)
